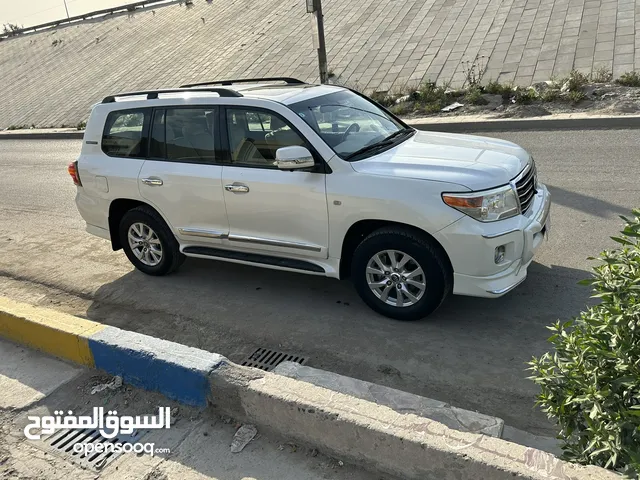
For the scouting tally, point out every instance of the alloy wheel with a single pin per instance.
(396, 278)
(145, 244)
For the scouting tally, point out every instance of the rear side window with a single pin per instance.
(184, 135)
(125, 133)
(189, 134)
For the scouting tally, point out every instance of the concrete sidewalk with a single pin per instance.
(52, 78)
(33, 383)
(346, 423)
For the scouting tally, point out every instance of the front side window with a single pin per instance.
(124, 133)
(350, 124)
(255, 136)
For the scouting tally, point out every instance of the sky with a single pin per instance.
(29, 13)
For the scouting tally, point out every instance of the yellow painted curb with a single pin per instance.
(57, 333)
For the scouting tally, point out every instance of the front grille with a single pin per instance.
(526, 184)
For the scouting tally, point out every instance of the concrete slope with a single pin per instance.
(53, 77)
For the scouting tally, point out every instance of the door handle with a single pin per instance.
(152, 181)
(236, 188)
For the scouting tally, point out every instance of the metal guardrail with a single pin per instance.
(130, 7)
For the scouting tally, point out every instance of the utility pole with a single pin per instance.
(315, 7)
(65, 7)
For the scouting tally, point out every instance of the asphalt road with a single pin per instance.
(471, 353)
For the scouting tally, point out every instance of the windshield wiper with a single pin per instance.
(385, 142)
(402, 131)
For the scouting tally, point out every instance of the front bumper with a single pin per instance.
(471, 248)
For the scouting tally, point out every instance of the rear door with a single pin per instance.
(181, 178)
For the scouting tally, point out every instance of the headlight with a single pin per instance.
(487, 206)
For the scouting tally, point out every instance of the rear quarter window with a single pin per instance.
(125, 133)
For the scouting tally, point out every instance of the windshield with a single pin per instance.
(349, 123)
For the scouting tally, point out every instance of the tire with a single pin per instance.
(436, 277)
(170, 257)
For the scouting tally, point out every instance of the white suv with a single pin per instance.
(315, 179)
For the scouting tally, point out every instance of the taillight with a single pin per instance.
(73, 171)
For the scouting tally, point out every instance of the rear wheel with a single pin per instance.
(148, 242)
(400, 274)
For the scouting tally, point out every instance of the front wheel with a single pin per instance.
(400, 274)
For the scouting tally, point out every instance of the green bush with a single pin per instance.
(433, 107)
(576, 81)
(601, 75)
(429, 92)
(629, 79)
(400, 109)
(382, 98)
(525, 95)
(497, 88)
(549, 95)
(591, 384)
(575, 96)
(474, 96)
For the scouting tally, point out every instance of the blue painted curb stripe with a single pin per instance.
(177, 371)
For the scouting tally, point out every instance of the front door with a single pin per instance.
(181, 178)
(269, 209)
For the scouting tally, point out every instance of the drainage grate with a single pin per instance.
(62, 442)
(266, 359)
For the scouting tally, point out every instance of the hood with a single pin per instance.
(477, 163)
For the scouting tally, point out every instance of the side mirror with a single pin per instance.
(294, 158)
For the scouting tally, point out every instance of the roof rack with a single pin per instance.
(153, 94)
(287, 80)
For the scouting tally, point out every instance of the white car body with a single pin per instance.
(307, 215)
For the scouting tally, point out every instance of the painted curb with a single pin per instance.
(358, 430)
(397, 400)
(59, 334)
(177, 371)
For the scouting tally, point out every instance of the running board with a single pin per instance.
(254, 258)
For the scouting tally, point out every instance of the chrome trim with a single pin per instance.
(502, 291)
(152, 181)
(500, 234)
(522, 174)
(274, 243)
(295, 163)
(530, 189)
(236, 188)
(198, 232)
(513, 186)
(528, 174)
(546, 209)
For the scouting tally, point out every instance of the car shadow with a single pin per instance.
(472, 352)
(585, 203)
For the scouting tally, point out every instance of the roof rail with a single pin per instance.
(287, 80)
(153, 94)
